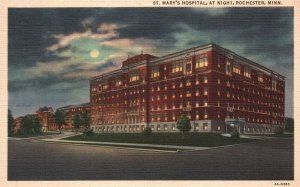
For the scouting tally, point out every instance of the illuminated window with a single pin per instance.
(134, 77)
(237, 68)
(205, 114)
(205, 79)
(228, 67)
(260, 77)
(188, 94)
(247, 72)
(118, 82)
(228, 94)
(219, 81)
(177, 67)
(105, 86)
(188, 82)
(197, 81)
(228, 84)
(201, 61)
(154, 71)
(173, 126)
(165, 96)
(205, 103)
(197, 104)
(188, 66)
(205, 91)
(173, 85)
(205, 126)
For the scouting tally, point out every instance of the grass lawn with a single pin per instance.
(273, 135)
(30, 135)
(192, 139)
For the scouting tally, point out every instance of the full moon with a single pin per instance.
(94, 53)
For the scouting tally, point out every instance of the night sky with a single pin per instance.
(54, 52)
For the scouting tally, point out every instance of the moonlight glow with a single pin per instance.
(94, 53)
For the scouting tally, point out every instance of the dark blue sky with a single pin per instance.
(54, 52)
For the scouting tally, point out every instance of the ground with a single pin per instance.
(271, 159)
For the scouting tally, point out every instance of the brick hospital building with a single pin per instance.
(216, 88)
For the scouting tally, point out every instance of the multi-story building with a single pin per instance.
(18, 124)
(45, 114)
(216, 88)
(72, 110)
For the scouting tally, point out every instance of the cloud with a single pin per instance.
(105, 31)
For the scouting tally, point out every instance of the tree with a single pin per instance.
(27, 126)
(31, 124)
(76, 122)
(10, 122)
(289, 124)
(183, 124)
(60, 118)
(37, 125)
(85, 120)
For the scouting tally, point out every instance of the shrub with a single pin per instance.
(279, 131)
(147, 131)
(235, 134)
(88, 132)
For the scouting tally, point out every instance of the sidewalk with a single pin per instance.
(149, 147)
(128, 145)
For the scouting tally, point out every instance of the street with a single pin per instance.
(271, 159)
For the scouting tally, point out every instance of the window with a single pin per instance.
(188, 66)
(228, 67)
(118, 82)
(205, 80)
(197, 104)
(219, 81)
(188, 82)
(177, 67)
(133, 77)
(197, 81)
(188, 94)
(105, 86)
(274, 85)
(205, 91)
(205, 126)
(247, 72)
(166, 127)
(201, 61)
(196, 126)
(173, 127)
(205, 103)
(154, 71)
(260, 77)
(237, 68)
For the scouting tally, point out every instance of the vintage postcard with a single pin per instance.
(113, 93)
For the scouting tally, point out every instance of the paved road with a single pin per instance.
(264, 160)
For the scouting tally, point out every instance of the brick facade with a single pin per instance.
(210, 84)
(72, 110)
